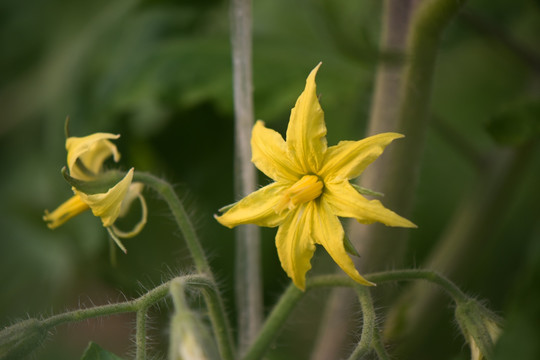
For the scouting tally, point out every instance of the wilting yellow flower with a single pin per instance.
(85, 158)
(311, 188)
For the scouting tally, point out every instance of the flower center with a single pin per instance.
(306, 189)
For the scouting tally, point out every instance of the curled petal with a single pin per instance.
(328, 231)
(269, 154)
(107, 205)
(134, 192)
(71, 208)
(92, 151)
(257, 208)
(345, 201)
(306, 133)
(348, 159)
(295, 245)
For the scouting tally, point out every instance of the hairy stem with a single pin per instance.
(140, 337)
(167, 193)
(368, 324)
(280, 313)
(247, 261)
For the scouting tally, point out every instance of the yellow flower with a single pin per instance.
(311, 188)
(85, 158)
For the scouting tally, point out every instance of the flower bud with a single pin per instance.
(480, 327)
(20, 339)
(189, 339)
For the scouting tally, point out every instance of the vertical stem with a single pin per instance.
(248, 273)
(368, 324)
(140, 337)
(166, 191)
(384, 116)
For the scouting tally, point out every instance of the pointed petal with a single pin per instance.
(107, 205)
(306, 133)
(328, 231)
(70, 208)
(348, 159)
(345, 201)
(256, 208)
(269, 154)
(92, 150)
(294, 244)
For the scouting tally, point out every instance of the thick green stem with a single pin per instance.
(140, 337)
(166, 191)
(247, 261)
(368, 324)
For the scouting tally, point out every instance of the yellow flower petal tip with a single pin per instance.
(311, 188)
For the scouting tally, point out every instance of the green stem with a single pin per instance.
(292, 296)
(217, 313)
(140, 337)
(144, 301)
(379, 347)
(368, 324)
(247, 261)
(166, 191)
(274, 322)
(428, 275)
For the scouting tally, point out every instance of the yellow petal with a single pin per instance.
(306, 131)
(134, 192)
(257, 208)
(345, 201)
(72, 207)
(348, 159)
(328, 231)
(269, 154)
(107, 205)
(294, 244)
(92, 150)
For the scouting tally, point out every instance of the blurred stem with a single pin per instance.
(468, 234)
(140, 337)
(166, 191)
(247, 261)
(493, 31)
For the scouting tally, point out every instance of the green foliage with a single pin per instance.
(516, 125)
(96, 352)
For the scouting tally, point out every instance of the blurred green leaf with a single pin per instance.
(96, 352)
(516, 124)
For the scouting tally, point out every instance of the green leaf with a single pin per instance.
(517, 124)
(96, 352)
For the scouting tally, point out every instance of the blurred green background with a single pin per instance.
(159, 73)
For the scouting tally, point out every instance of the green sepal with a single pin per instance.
(227, 207)
(516, 124)
(96, 352)
(365, 191)
(349, 247)
(100, 185)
